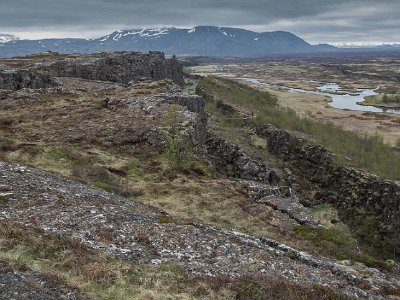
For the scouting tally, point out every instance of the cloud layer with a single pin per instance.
(339, 21)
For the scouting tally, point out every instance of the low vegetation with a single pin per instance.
(383, 100)
(69, 261)
(368, 152)
(329, 241)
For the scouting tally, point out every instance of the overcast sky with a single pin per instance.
(317, 21)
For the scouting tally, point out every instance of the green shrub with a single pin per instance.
(376, 235)
(385, 98)
(373, 262)
(178, 149)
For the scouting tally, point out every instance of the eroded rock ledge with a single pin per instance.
(368, 203)
(120, 67)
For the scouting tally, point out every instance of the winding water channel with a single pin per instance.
(340, 98)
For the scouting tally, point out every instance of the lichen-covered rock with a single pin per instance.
(138, 233)
(18, 282)
(370, 204)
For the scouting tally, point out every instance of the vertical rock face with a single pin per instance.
(368, 203)
(195, 104)
(227, 155)
(121, 67)
(19, 79)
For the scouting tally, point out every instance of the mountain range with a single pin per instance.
(196, 41)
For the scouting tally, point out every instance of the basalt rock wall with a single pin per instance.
(370, 204)
(229, 157)
(121, 67)
(19, 79)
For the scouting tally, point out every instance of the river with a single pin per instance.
(340, 98)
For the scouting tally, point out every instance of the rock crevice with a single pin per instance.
(370, 204)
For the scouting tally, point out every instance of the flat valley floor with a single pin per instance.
(278, 75)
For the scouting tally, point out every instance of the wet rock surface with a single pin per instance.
(139, 233)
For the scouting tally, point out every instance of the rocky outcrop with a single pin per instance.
(29, 78)
(139, 233)
(229, 157)
(196, 105)
(368, 203)
(193, 103)
(18, 282)
(121, 67)
(260, 183)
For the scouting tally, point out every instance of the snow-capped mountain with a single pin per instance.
(6, 38)
(200, 40)
(205, 40)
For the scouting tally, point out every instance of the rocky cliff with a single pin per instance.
(123, 67)
(26, 78)
(368, 203)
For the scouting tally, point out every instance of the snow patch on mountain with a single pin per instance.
(155, 32)
(136, 34)
(6, 38)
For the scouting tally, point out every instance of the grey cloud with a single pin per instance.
(314, 20)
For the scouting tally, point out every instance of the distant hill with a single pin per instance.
(200, 40)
